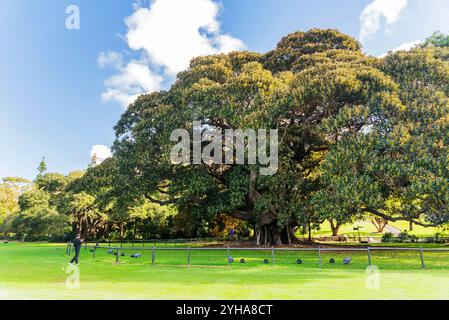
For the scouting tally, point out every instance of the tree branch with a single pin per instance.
(394, 219)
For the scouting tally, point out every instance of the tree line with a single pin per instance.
(359, 136)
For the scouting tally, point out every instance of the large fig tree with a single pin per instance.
(356, 134)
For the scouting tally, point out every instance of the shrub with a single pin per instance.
(388, 237)
(404, 236)
(439, 238)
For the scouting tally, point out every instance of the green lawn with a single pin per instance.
(33, 271)
(368, 229)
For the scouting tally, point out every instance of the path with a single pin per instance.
(395, 231)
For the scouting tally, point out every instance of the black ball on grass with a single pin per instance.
(299, 261)
(242, 261)
(266, 261)
(332, 261)
(122, 254)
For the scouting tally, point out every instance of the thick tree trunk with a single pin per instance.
(266, 230)
(288, 235)
(269, 235)
(410, 226)
(289, 238)
(335, 227)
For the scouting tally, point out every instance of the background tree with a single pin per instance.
(10, 190)
(38, 219)
(437, 39)
(42, 167)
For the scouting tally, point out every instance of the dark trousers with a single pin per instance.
(77, 253)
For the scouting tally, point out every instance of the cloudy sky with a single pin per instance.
(63, 90)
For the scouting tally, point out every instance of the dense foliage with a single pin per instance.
(358, 136)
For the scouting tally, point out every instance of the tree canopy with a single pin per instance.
(357, 136)
(355, 132)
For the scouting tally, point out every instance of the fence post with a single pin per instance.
(94, 253)
(229, 256)
(153, 255)
(67, 249)
(319, 256)
(85, 246)
(369, 256)
(188, 257)
(116, 257)
(272, 254)
(422, 258)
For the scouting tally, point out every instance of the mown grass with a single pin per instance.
(368, 229)
(38, 271)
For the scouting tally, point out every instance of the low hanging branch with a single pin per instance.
(394, 219)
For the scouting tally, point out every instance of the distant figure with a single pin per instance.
(231, 234)
(77, 244)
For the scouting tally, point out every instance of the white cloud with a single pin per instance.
(167, 34)
(171, 32)
(110, 59)
(407, 46)
(132, 79)
(101, 153)
(404, 47)
(371, 16)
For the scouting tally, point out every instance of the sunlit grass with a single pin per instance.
(37, 271)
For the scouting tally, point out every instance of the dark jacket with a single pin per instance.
(77, 243)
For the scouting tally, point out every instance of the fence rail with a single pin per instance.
(317, 239)
(154, 241)
(378, 239)
(276, 253)
(336, 249)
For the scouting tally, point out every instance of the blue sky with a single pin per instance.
(62, 91)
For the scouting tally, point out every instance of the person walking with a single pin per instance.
(77, 244)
